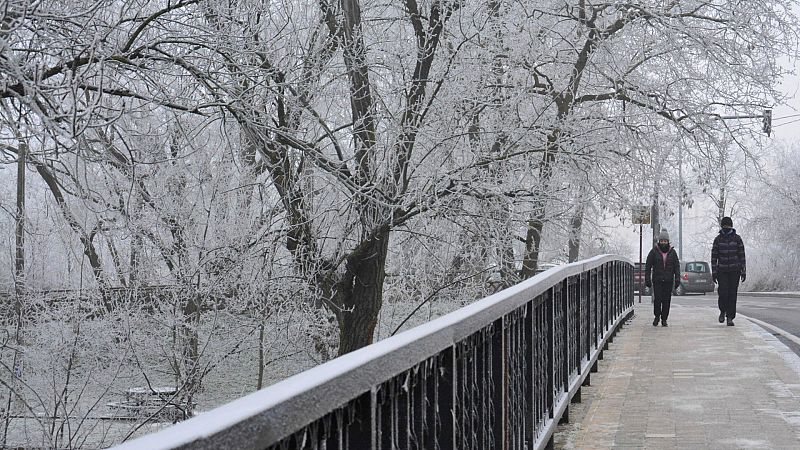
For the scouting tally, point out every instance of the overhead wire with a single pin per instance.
(786, 123)
(786, 117)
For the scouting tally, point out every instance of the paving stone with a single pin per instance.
(695, 384)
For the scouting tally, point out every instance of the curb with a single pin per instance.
(773, 328)
(771, 294)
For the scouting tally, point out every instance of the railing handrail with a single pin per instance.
(273, 413)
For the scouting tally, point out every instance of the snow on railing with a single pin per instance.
(498, 373)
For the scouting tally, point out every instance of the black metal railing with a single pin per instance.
(497, 374)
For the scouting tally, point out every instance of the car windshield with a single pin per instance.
(697, 267)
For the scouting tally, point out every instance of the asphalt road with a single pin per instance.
(782, 312)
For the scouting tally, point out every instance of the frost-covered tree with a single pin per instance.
(772, 239)
(254, 163)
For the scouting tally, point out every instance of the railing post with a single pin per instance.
(609, 297)
(565, 334)
(580, 292)
(530, 375)
(621, 283)
(361, 431)
(601, 299)
(618, 285)
(586, 290)
(578, 318)
(445, 395)
(593, 303)
(615, 290)
(616, 297)
(499, 397)
(418, 419)
(550, 304)
(630, 285)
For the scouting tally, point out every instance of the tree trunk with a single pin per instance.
(564, 101)
(355, 58)
(85, 238)
(19, 261)
(360, 293)
(115, 258)
(533, 241)
(575, 229)
(136, 244)
(260, 379)
(576, 224)
(533, 237)
(190, 347)
(508, 272)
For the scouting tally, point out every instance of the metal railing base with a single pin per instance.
(562, 407)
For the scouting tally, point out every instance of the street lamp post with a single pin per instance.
(680, 202)
(641, 215)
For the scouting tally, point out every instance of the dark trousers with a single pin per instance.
(662, 295)
(728, 290)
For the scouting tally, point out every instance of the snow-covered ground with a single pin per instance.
(104, 372)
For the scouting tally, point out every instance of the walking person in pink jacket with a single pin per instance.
(662, 262)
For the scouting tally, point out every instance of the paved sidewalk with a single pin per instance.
(696, 384)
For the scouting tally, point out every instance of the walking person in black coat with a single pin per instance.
(728, 265)
(663, 262)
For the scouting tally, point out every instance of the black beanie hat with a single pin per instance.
(726, 221)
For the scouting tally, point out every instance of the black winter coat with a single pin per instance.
(662, 273)
(727, 253)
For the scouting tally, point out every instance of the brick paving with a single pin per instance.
(696, 384)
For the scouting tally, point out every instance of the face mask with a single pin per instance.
(663, 247)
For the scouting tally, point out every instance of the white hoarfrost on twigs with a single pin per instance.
(213, 196)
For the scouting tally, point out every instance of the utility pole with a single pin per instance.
(680, 202)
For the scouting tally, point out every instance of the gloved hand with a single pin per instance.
(744, 276)
(714, 277)
(648, 284)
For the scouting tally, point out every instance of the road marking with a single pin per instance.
(780, 331)
(781, 307)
